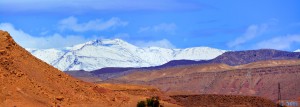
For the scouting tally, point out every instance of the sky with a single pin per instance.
(222, 24)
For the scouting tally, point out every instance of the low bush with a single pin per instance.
(150, 102)
(141, 104)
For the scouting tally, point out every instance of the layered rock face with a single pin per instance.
(255, 79)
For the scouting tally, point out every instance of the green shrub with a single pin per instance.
(141, 104)
(150, 102)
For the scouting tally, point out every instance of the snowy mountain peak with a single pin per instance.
(104, 43)
(114, 41)
(117, 42)
(298, 50)
(102, 53)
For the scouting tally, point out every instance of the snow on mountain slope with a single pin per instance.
(118, 53)
(200, 53)
(298, 50)
(47, 55)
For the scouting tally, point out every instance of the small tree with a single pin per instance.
(141, 104)
(153, 102)
(150, 102)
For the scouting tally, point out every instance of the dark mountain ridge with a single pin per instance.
(234, 58)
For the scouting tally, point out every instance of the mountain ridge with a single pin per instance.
(99, 54)
(241, 57)
(232, 58)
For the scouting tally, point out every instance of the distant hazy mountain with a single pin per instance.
(118, 53)
(241, 57)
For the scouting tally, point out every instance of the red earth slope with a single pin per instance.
(28, 81)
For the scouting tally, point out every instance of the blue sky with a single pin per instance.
(228, 25)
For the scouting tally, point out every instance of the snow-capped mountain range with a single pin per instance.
(117, 53)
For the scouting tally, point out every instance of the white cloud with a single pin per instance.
(280, 42)
(164, 27)
(58, 41)
(251, 32)
(164, 43)
(52, 41)
(71, 23)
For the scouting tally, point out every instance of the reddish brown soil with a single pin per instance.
(139, 90)
(29, 82)
(222, 101)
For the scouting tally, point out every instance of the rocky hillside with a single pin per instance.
(27, 81)
(256, 79)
